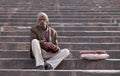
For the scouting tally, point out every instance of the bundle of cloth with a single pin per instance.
(94, 54)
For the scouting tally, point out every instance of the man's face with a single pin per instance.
(42, 22)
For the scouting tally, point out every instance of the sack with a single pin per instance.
(94, 55)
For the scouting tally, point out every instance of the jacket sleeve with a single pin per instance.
(56, 38)
(33, 35)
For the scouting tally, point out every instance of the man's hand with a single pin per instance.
(49, 44)
(53, 48)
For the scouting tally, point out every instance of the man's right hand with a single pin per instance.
(53, 48)
(49, 44)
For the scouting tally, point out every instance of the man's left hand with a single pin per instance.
(55, 49)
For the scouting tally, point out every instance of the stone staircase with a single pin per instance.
(81, 25)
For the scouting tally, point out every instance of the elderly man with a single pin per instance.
(44, 45)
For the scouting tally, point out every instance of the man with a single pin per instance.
(44, 45)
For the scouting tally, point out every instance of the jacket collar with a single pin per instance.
(47, 30)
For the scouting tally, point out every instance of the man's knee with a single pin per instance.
(35, 45)
(66, 52)
(34, 41)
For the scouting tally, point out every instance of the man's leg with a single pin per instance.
(37, 52)
(58, 57)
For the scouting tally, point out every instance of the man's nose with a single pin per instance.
(42, 21)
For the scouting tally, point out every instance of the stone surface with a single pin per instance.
(67, 64)
(32, 72)
(75, 54)
(81, 25)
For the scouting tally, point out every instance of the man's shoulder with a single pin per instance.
(52, 29)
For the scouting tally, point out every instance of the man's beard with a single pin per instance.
(42, 25)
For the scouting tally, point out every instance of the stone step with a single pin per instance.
(65, 33)
(14, 5)
(40, 5)
(51, 4)
(16, 11)
(87, 28)
(75, 54)
(33, 72)
(55, 5)
(70, 20)
(23, 3)
(14, 54)
(63, 13)
(71, 27)
(59, 2)
(26, 24)
(67, 64)
(62, 2)
(51, 15)
(59, 16)
(80, 39)
(108, 9)
(69, 45)
(48, 7)
(51, 19)
(89, 33)
(75, 7)
(38, 1)
(66, 28)
(70, 8)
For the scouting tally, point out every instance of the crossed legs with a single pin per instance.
(53, 58)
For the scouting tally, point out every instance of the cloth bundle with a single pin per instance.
(94, 55)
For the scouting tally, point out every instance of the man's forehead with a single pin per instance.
(42, 17)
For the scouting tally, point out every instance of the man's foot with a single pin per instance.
(48, 66)
(40, 67)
